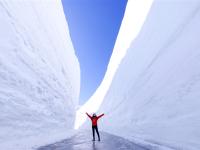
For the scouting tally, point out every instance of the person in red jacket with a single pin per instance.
(94, 118)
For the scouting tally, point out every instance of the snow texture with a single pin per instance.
(39, 72)
(154, 95)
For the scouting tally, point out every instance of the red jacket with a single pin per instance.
(94, 119)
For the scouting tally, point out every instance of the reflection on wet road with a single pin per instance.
(83, 141)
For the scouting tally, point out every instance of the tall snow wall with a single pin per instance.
(154, 94)
(39, 72)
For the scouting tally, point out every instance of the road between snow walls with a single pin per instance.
(149, 94)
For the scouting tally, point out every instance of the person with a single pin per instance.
(94, 118)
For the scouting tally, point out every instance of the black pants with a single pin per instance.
(93, 132)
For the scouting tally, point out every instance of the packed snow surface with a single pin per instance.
(154, 95)
(39, 72)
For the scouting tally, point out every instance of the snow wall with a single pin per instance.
(39, 72)
(154, 95)
(135, 14)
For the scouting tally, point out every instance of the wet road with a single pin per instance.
(83, 141)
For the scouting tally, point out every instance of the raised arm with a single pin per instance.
(88, 115)
(100, 116)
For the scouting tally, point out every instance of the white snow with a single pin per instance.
(154, 95)
(149, 93)
(39, 73)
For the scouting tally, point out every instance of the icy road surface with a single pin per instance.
(83, 141)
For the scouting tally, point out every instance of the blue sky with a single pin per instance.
(93, 25)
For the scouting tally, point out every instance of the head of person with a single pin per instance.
(94, 115)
